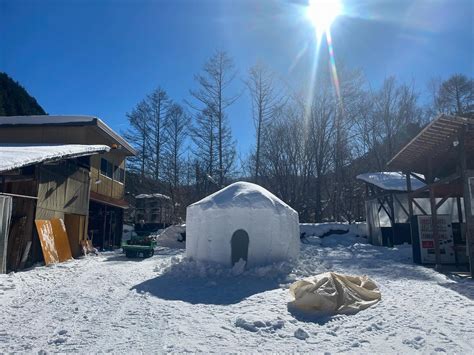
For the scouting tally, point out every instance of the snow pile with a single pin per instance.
(14, 156)
(185, 267)
(172, 237)
(242, 218)
(394, 181)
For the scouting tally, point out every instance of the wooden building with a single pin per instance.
(443, 152)
(107, 170)
(42, 182)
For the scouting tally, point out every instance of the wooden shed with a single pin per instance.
(444, 153)
(42, 182)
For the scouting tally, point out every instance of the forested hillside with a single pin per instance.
(15, 100)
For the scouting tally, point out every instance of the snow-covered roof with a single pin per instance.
(14, 156)
(242, 195)
(160, 196)
(394, 181)
(67, 120)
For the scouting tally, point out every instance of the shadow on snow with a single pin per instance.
(206, 290)
(310, 317)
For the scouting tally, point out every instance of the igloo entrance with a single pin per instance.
(239, 245)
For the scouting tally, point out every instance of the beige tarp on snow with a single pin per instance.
(334, 293)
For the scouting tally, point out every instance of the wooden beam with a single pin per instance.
(416, 176)
(444, 181)
(401, 205)
(419, 207)
(441, 202)
(18, 178)
(19, 196)
(382, 204)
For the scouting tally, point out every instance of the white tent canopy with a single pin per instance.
(394, 181)
(242, 221)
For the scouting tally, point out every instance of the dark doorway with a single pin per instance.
(239, 246)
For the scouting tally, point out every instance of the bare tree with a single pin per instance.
(396, 106)
(218, 73)
(138, 133)
(266, 100)
(158, 104)
(321, 133)
(455, 95)
(175, 133)
(346, 111)
(203, 134)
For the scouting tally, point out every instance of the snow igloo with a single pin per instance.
(242, 221)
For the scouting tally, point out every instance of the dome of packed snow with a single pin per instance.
(243, 221)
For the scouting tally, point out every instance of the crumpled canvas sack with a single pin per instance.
(334, 293)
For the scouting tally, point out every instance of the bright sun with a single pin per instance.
(322, 13)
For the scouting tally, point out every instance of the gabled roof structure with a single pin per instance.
(64, 120)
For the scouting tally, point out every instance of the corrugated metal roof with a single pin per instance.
(436, 141)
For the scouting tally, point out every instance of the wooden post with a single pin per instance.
(105, 227)
(392, 220)
(434, 215)
(466, 176)
(458, 204)
(410, 217)
(410, 202)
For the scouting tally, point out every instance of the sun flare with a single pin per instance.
(322, 13)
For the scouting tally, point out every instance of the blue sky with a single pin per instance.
(101, 57)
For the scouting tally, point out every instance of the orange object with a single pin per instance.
(61, 239)
(46, 237)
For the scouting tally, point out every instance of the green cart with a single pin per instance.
(140, 246)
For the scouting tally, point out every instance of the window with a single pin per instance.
(119, 174)
(112, 171)
(103, 167)
(116, 173)
(106, 168)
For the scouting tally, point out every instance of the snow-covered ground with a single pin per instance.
(167, 304)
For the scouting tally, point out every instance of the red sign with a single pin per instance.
(427, 244)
